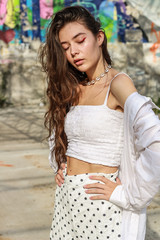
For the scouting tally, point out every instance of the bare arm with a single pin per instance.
(121, 87)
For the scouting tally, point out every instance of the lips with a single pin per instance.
(78, 61)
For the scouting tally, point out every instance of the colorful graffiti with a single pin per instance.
(22, 21)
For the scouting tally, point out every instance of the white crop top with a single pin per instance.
(95, 133)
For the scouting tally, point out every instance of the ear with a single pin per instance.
(100, 37)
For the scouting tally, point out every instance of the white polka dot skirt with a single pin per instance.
(78, 217)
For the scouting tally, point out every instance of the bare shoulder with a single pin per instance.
(121, 87)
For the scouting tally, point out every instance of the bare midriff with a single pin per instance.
(76, 166)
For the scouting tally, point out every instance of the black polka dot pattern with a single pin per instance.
(78, 217)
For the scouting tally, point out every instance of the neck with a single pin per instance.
(98, 78)
(96, 70)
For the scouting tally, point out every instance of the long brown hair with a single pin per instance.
(62, 78)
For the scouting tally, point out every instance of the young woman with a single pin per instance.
(104, 136)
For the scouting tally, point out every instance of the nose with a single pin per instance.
(73, 50)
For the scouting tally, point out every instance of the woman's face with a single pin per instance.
(82, 48)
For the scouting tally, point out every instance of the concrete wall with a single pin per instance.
(22, 76)
(138, 62)
(22, 82)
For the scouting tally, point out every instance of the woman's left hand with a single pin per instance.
(103, 191)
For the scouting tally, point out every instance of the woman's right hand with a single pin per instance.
(59, 178)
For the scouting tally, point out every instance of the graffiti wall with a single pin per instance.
(22, 21)
(132, 28)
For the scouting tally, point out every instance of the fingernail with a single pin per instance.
(84, 186)
(86, 191)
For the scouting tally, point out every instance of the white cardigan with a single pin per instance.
(140, 165)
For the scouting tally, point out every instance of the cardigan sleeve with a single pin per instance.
(144, 179)
(51, 157)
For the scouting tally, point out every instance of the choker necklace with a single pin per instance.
(92, 82)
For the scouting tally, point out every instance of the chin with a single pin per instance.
(82, 68)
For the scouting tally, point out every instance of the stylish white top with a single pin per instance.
(95, 133)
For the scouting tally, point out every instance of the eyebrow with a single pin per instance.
(77, 35)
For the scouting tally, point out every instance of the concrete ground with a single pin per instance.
(26, 180)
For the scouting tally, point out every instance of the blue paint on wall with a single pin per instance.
(36, 19)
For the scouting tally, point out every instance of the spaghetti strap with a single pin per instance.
(106, 98)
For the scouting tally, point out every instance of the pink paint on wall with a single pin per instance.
(46, 9)
(3, 11)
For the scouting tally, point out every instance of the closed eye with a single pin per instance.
(65, 49)
(82, 40)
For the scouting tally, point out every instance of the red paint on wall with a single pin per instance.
(5, 165)
(7, 36)
(155, 45)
